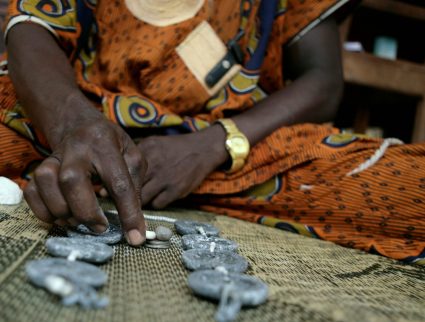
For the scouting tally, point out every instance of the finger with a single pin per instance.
(72, 222)
(117, 180)
(36, 203)
(148, 173)
(136, 166)
(62, 222)
(75, 184)
(47, 182)
(150, 190)
(165, 198)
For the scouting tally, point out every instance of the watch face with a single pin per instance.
(237, 144)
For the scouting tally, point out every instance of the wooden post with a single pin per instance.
(344, 29)
(419, 127)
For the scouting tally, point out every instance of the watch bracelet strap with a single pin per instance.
(236, 165)
(231, 128)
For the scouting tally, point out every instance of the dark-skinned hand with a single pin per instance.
(178, 164)
(62, 190)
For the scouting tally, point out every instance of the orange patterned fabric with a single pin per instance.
(295, 179)
(308, 191)
(136, 76)
(18, 157)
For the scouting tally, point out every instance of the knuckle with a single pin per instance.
(135, 161)
(97, 131)
(30, 192)
(45, 171)
(136, 157)
(68, 176)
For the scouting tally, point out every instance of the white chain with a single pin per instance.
(376, 156)
(368, 163)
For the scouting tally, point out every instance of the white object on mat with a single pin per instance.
(10, 193)
(150, 235)
(151, 217)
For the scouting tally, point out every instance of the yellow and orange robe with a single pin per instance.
(297, 179)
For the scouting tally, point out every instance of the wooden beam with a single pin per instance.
(396, 7)
(391, 75)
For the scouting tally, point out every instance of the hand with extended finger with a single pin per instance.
(62, 192)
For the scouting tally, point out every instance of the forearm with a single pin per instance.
(314, 65)
(313, 97)
(44, 82)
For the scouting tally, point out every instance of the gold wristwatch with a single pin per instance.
(236, 144)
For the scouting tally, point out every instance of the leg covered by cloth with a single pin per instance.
(301, 179)
(18, 156)
(22, 148)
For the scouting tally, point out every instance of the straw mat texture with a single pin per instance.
(310, 280)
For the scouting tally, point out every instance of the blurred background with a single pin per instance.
(384, 70)
(3, 12)
(383, 45)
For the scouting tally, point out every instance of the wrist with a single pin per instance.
(213, 141)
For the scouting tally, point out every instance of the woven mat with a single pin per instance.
(310, 280)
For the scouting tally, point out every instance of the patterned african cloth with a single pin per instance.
(297, 179)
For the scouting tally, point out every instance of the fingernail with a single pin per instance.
(134, 237)
(98, 229)
(103, 193)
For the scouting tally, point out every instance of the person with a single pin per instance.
(214, 104)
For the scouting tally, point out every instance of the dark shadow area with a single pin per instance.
(392, 112)
(382, 93)
(409, 33)
(3, 13)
